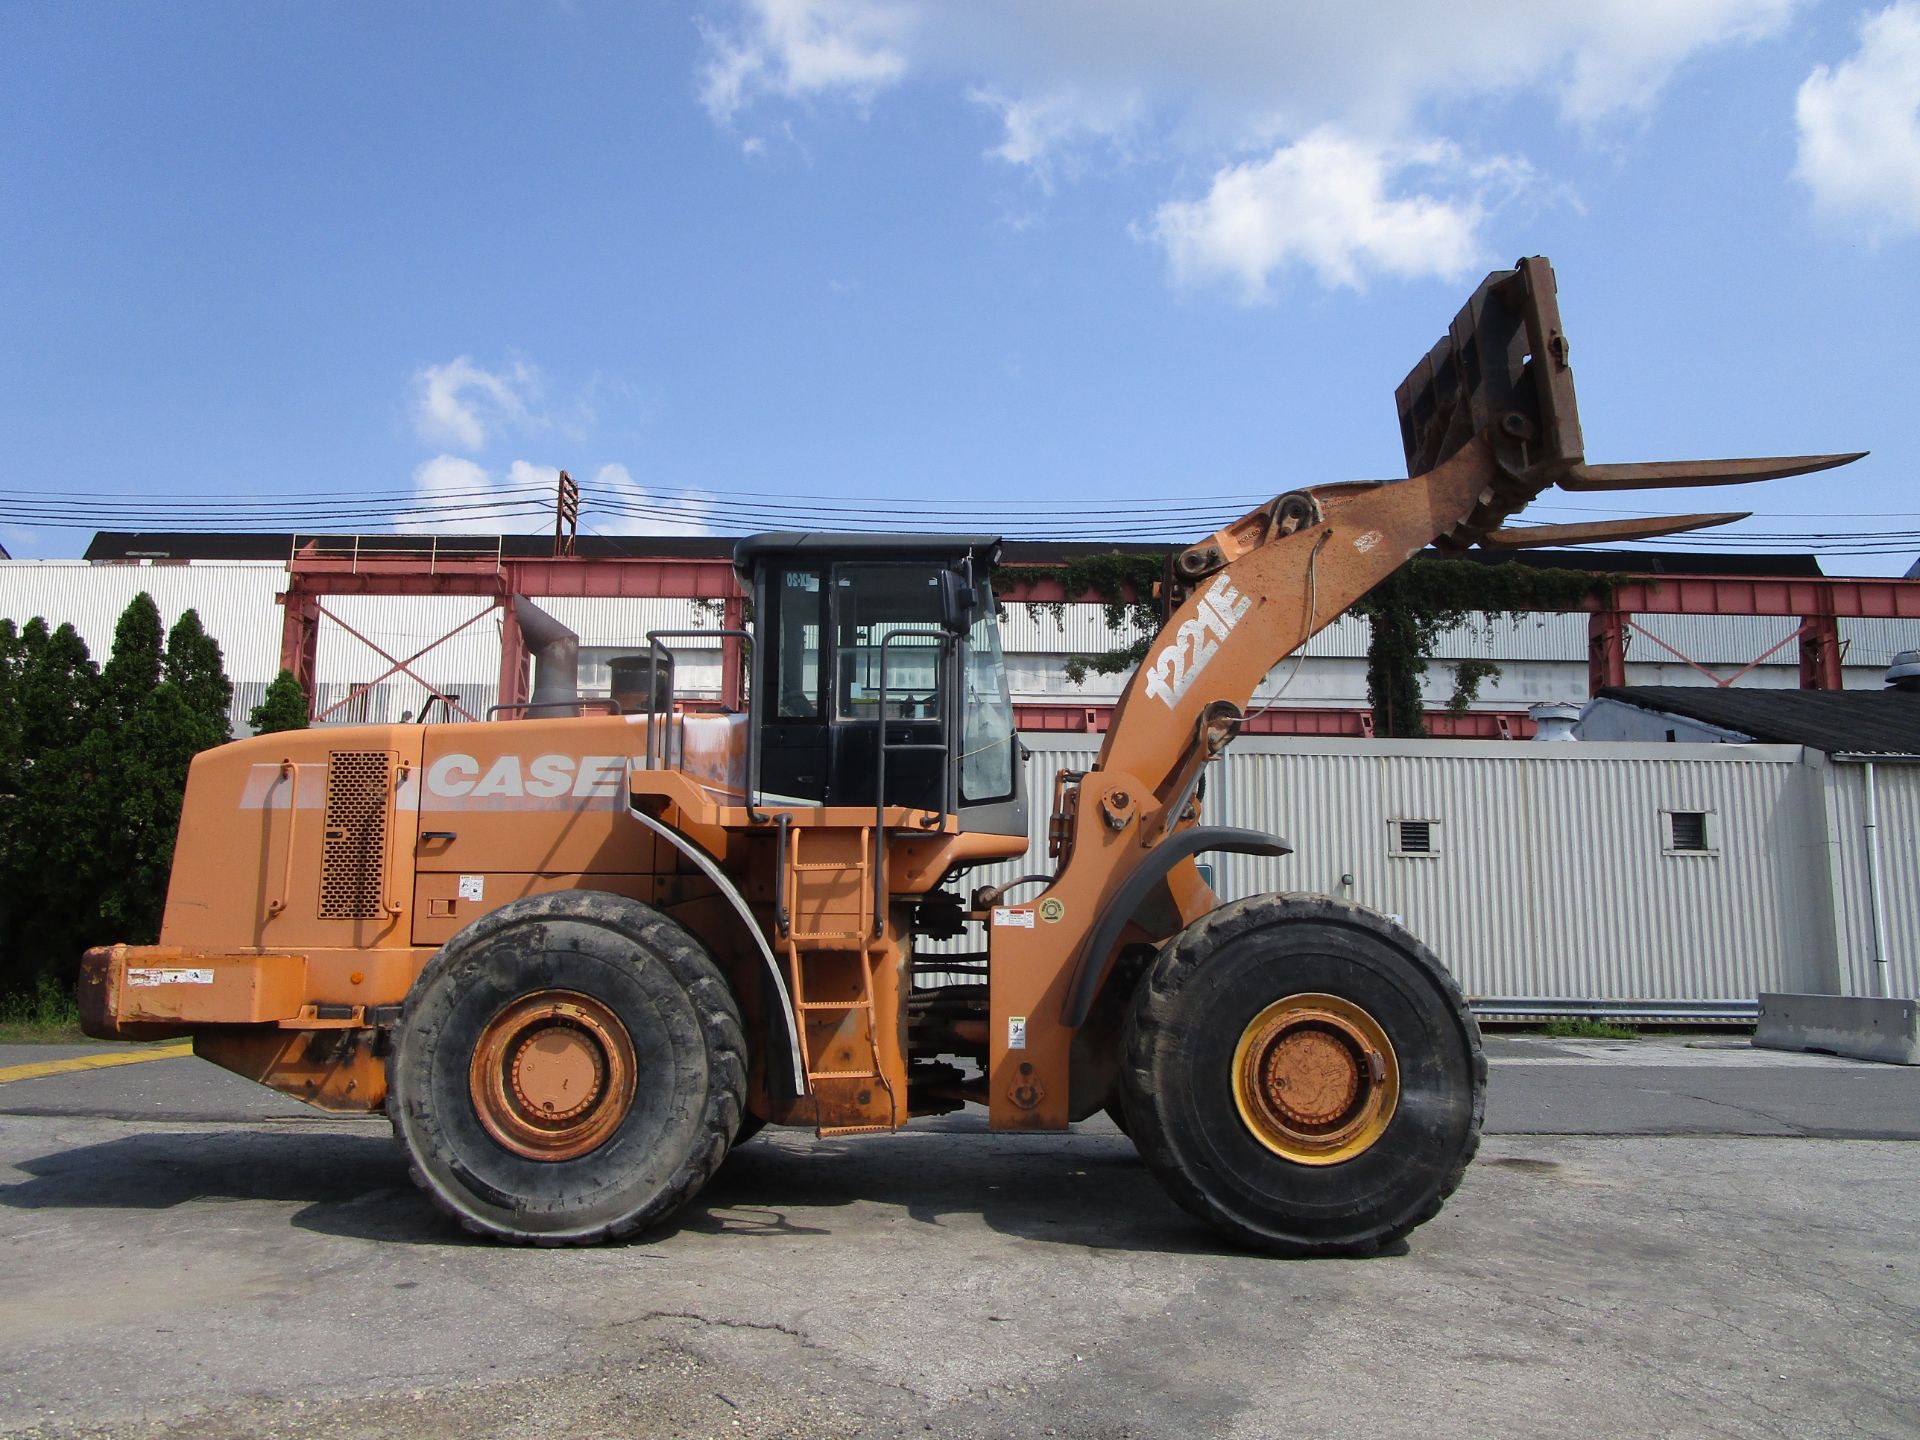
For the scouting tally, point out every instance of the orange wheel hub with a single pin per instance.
(553, 1075)
(1315, 1079)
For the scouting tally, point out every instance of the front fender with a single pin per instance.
(1096, 954)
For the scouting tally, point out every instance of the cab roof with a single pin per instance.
(828, 545)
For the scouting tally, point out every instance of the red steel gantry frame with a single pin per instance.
(1818, 603)
(500, 580)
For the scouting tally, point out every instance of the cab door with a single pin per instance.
(788, 666)
(893, 673)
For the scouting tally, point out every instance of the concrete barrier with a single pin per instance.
(1857, 1026)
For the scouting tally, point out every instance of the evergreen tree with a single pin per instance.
(50, 811)
(283, 707)
(194, 668)
(137, 759)
(56, 689)
(143, 765)
(92, 774)
(13, 652)
(12, 766)
(133, 669)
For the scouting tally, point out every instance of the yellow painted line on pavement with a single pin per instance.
(93, 1062)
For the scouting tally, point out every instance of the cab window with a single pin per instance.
(799, 601)
(986, 727)
(871, 604)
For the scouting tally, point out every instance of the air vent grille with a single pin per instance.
(1414, 837)
(353, 850)
(1689, 829)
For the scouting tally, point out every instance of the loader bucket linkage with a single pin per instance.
(1502, 370)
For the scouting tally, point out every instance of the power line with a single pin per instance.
(680, 503)
(1170, 519)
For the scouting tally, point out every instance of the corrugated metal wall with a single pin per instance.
(1873, 643)
(1706, 639)
(1897, 796)
(1552, 877)
(235, 602)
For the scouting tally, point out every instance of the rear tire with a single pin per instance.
(1303, 1074)
(568, 1069)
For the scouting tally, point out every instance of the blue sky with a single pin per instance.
(996, 264)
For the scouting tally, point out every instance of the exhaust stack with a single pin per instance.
(556, 660)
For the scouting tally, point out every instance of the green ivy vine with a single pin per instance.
(1412, 608)
(1407, 614)
(1125, 585)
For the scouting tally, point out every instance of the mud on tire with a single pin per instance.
(674, 1026)
(1202, 994)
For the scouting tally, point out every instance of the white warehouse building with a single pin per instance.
(1542, 658)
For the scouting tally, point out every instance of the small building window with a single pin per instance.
(1689, 832)
(1413, 837)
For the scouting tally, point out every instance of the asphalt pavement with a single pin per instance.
(1665, 1237)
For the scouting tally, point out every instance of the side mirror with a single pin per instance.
(958, 601)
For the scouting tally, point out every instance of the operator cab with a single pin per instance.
(865, 641)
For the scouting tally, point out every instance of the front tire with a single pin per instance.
(1303, 1074)
(568, 1069)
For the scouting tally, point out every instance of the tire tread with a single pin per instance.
(1153, 1010)
(715, 1009)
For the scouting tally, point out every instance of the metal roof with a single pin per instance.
(1838, 722)
(212, 545)
(215, 545)
(865, 546)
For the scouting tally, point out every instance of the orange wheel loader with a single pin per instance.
(576, 956)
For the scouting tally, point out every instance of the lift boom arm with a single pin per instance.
(1489, 421)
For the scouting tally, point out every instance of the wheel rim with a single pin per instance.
(1315, 1079)
(553, 1075)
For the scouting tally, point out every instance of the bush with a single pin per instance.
(48, 1006)
(1583, 1029)
(283, 707)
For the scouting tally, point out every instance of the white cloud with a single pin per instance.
(1326, 204)
(1038, 131)
(453, 495)
(1618, 55)
(1860, 129)
(1218, 71)
(1260, 91)
(796, 49)
(461, 404)
(523, 475)
(618, 504)
(457, 496)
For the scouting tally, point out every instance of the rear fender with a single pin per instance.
(782, 1044)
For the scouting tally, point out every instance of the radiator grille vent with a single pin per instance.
(353, 852)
